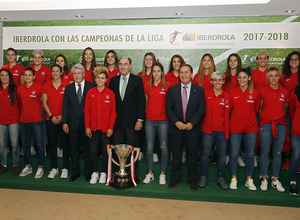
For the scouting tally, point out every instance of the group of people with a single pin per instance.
(90, 107)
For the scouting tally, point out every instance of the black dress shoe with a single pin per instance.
(194, 185)
(172, 184)
(74, 177)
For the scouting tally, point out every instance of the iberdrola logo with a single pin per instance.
(175, 39)
(189, 37)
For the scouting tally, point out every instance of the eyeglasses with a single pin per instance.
(294, 59)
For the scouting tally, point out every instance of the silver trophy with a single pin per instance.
(122, 179)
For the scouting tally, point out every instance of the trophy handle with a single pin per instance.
(127, 165)
(113, 160)
(136, 156)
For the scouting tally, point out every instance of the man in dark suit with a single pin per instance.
(130, 104)
(185, 108)
(73, 120)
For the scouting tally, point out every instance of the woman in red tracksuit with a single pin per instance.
(272, 127)
(100, 115)
(31, 121)
(156, 121)
(243, 125)
(215, 128)
(9, 120)
(52, 97)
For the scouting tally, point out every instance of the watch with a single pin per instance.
(51, 116)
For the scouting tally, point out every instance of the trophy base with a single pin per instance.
(121, 182)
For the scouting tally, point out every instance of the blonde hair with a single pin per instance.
(262, 53)
(217, 75)
(38, 51)
(100, 70)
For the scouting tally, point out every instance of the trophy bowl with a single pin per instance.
(122, 179)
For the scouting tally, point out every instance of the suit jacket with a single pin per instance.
(133, 106)
(72, 111)
(194, 112)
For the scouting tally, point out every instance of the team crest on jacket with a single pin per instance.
(250, 96)
(63, 88)
(282, 95)
(107, 96)
(16, 71)
(43, 73)
(226, 101)
(162, 89)
(33, 92)
(222, 99)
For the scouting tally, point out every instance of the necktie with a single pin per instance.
(79, 93)
(123, 89)
(184, 101)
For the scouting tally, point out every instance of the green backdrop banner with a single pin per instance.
(190, 38)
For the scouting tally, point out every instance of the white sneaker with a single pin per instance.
(227, 159)
(155, 158)
(255, 161)
(149, 177)
(32, 150)
(184, 156)
(264, 185)
(64, 174)
(25, 171)
(241, 162)
(141, 156)
(59, 152)
(233, 183)
(53, 173)
(162, 179)
(277, 185)
(39, 173)
(94, 178)
(102, 178)
(249, 183)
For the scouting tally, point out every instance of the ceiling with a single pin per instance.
(38, 10)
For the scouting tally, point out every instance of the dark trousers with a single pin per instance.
(74, 140)
(179, 140)
(53, 131)
(99, 138)
(124, 135)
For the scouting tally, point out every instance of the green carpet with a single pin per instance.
(211, 193)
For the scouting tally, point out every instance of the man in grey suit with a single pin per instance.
(185, 108)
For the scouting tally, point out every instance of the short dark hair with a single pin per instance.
(188, 65)
(12, 49)
(56, 65)
(29, 69)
